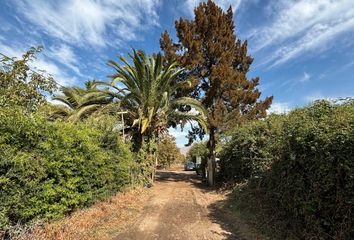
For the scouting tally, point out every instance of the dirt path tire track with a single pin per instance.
(179, 209)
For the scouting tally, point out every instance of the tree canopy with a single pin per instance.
(218, 63)
(20, 85)
(168, 152)
(146, 89)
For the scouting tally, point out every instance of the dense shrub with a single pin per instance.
(197, 150)
(145, 158)
(302, 166)
(252, 149)
(20, 85)
(168, 152)
(48, 169)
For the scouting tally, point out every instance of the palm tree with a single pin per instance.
(80, 102)
(146, 89)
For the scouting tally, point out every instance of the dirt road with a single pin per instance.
(182, 207)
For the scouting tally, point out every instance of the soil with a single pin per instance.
(182, 206)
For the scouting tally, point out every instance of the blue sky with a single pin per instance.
(303, 49)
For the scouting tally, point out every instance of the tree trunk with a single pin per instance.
(211, 159)
(137, 141)
(155, 163)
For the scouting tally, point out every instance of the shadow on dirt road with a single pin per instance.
(182, 206)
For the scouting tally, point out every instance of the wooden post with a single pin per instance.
(122, 114)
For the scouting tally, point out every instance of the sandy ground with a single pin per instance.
(181, 206)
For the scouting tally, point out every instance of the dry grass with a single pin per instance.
(103, 220)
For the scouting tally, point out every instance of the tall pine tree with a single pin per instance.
(218, 63)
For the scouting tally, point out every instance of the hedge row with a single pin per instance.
(48, 169)
(301, 166)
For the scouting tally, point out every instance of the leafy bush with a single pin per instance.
(252, 149)
(168, 152)
(302, 167)
(48, 169)
(197, 149)
(145, 159)
(20, 85)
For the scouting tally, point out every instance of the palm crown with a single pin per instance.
(80, 102)
(146, 89)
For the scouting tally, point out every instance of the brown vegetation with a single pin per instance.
(102, 221)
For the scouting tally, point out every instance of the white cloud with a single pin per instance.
(279, 108)
(42, 63)
(180, 136)
(348, 65)
(292, 18)
(319, 95)
(314, 96)
(66, 56)
(305, 77)
(177, 133)
(58, 74)
(224, 4)
(10, 51)
(302, 26)
(99, 23)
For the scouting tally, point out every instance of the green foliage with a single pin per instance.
(168, 152)
(48, 169)
(22, 86)
(302, 167)
(197, 149)
(79, 103)
(145, 162)
(252, 148)
(145, 88)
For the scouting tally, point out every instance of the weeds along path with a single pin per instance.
(182, 207)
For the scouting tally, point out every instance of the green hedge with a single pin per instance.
(48, 169)
(302, 167)
(251, 149)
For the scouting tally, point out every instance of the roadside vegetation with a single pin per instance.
(295, 172)
(197, 150)
(168, 154)
(292, 175)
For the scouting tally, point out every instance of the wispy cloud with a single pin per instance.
(66, 56)
(224, 4)
(9, 51)
(302, 26)
(305, 77)
(348, 65)
(98, 23)
(51, 68)
(41, 63)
